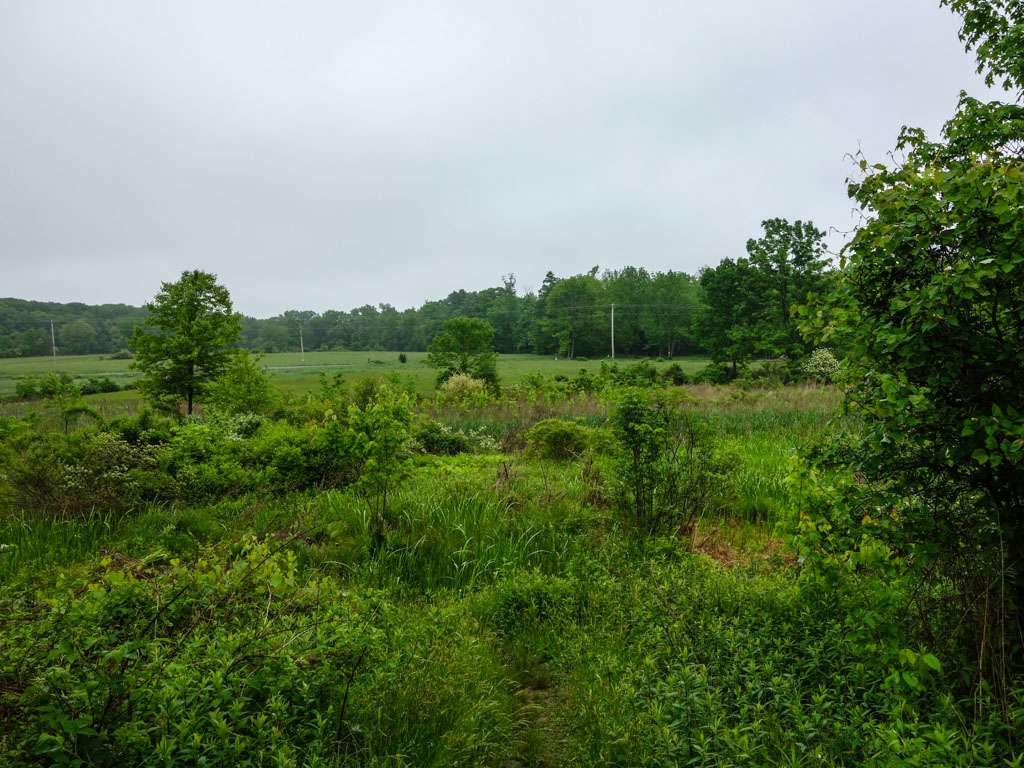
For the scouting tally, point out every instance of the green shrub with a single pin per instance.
(557, 439)
(641, 374)
(49, 385)
(367, 391)
(438, 439)
(821, 365)
(666, 471)
(714, 373)
(146, 427)
(379, 450)
(26, 389)
(464, 390)
(96, 385)
(518, 605)
(243, 387)
(210, 459)
(675, 375)
(217, 455)
(584, 381)
(58, 477)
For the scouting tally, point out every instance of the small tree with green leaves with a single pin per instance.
(730, 322)
(243, 387)
(464, 346)
(186, 341)
(929, 310)
(666, 470)
(381, 432)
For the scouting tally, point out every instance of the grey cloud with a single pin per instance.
(329, 154)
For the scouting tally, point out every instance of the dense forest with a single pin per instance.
(737, 310)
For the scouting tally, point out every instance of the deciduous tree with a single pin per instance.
(186, 340)
(466, 346)
(575, 315)
(930, 311)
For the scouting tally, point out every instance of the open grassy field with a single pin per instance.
(293, 373)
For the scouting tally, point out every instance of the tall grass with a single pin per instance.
(443, 543)
(26, 541)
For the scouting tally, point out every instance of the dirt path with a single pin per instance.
(545, 742)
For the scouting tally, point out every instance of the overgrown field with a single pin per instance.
(294, 373)
(282, 591)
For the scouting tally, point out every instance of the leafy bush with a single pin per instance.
(584, 381)
(714, 373)
(49, 385)
(528, 601)
(146, 427)
(462, 389)
(367, 391)
(26, 389)
(675, 375)
(641, 374)
(557, 439)
(243, 387)
(439, 439)
(929, 311)
(666, 471)
(402, 357)
(229, 456)
(821, 366)
(535, 381)
(74, 476)
(96, 385)
(380, 437)
(769, 374)
(153, 458)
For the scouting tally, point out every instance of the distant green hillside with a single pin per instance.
(77, 328)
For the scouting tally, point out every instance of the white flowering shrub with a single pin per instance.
(461, 388)
(821, 365)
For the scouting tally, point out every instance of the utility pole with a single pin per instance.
(53, 345)
(613, 331)
(302, 347)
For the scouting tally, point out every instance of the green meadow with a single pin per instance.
(293, 372)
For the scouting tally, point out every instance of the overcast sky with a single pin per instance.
(330, 154)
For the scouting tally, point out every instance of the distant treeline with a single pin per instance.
(734, 311)
(654, 315)
(572, 316)
(79, 329)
